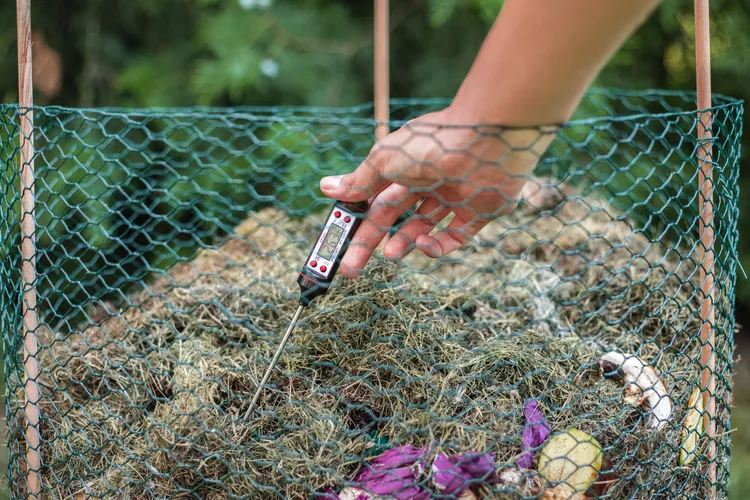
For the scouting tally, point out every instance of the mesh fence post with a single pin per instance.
(30, 320)
(381, 68)
(706, 252)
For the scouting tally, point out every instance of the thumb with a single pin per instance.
(362, 184)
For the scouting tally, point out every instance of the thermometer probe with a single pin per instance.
(320, 269)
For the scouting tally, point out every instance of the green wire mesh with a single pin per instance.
(168, 244)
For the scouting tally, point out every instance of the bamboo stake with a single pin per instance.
(706, 252)
(381, 68)
(28, 251)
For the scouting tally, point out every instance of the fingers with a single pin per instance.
(365, 182)
(384, 210)
(449, 239)
(424, 220)
(360, 185)
(403, 157)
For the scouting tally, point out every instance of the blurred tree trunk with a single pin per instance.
(87, 90)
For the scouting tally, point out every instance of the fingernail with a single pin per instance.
(330, 183)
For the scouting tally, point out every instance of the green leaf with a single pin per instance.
(324, 22)
(441, 11)
(231, 31)
(241, 72)
(233, 75)
(489, 9)
(206, 82)
(155, 80)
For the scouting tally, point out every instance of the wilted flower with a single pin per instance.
(535, 432)
(391, 459)
(395, 472)
(453, 475)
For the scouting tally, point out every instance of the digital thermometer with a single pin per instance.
(320, 269)
(325, 257)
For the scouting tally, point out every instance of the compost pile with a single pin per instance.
(438, 355)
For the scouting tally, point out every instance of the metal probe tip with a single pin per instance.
(274, 361)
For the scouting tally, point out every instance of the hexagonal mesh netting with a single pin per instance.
(555, 354)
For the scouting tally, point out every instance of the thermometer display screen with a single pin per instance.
(330, 242)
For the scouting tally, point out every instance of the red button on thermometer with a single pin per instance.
(320, 269)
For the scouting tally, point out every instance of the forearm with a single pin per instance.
(540, 57)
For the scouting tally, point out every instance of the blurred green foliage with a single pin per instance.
(218, 53)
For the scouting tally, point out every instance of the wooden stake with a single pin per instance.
(706, 249)
(28, 247)
(381, 68)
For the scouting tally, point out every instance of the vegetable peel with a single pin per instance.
(692, 427)
(644, 386)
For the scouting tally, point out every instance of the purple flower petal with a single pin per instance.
(394, 473)
(479, 465)
(391, 459)
(388, 481)
(400, 483)
(447, 477)
(535, 432)
(453, 475)
(532, 411)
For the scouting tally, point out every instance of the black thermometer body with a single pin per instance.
(321, 265)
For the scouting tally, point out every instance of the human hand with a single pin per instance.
(533, 67)
(474, 172)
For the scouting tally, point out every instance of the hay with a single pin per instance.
(150, 402)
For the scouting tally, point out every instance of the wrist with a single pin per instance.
(514, 102)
